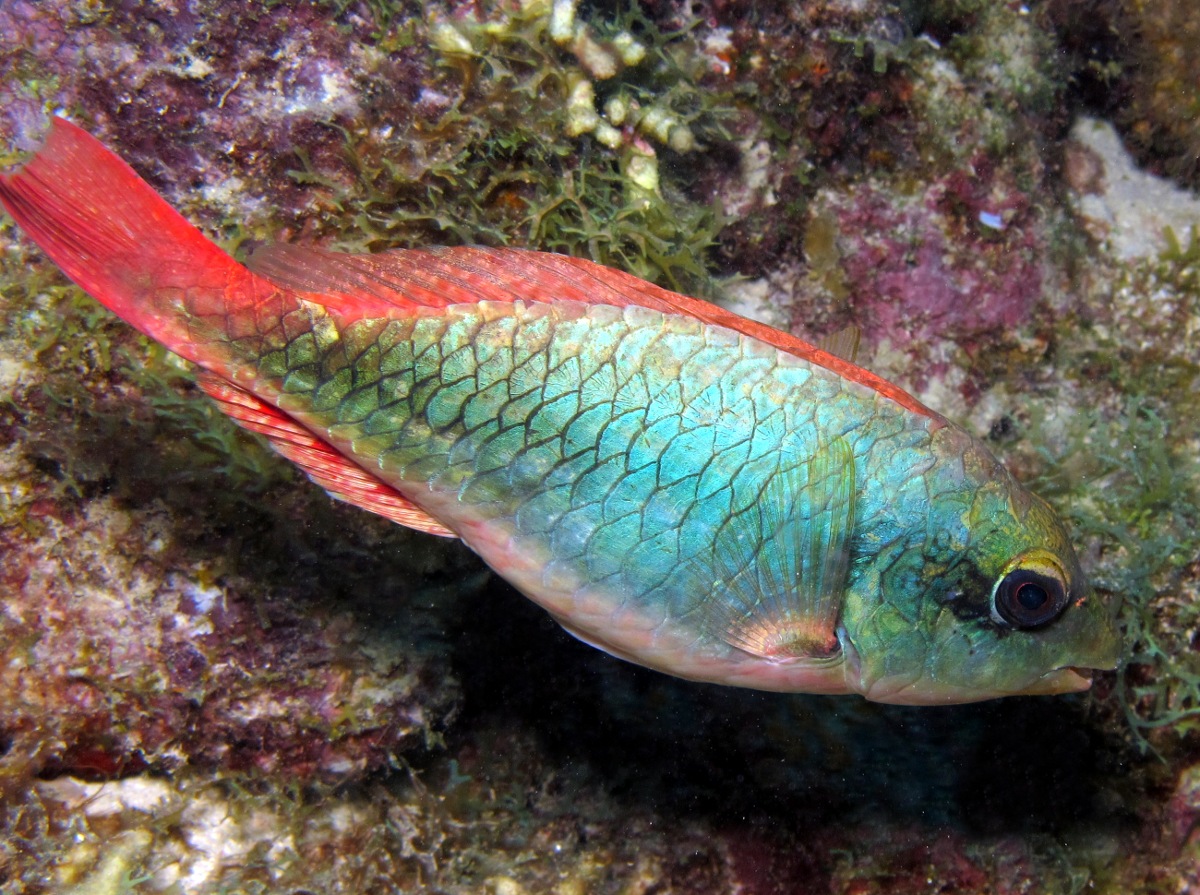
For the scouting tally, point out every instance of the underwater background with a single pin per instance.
(215, 679)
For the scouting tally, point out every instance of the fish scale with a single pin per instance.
(677, 485)
(783, 407)
(574, 483)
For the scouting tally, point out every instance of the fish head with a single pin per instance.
(988, 601)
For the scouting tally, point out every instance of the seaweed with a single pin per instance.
(523, 143)
(89, 368)
(1120, 460)
(1132, 493)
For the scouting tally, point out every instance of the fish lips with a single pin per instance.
(899, 690)
(1071, 679)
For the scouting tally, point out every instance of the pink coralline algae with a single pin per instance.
(205, 97)
(959, 258)
(1183, 811)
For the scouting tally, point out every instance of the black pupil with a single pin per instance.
(1029, 599)
(1032, 596)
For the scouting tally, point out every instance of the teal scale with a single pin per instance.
(658, 457)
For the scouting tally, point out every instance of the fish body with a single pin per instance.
(677, 485)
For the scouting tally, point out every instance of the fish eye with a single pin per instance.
(1027, 598)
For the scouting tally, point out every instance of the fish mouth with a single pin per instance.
(1069, 679)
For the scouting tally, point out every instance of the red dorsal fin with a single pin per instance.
(396, 279)
(325, 466)
(427, 280)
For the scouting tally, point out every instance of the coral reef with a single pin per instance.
(1163, 119)
(165, 669)
(1137, 214)
(227, 683)
(907, 176)
(1135, 61)
(960, 260)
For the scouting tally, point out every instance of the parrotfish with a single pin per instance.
(677, 485)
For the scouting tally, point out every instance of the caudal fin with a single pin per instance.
(118, 239)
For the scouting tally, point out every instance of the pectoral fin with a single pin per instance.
(779, 570)
(844, 343)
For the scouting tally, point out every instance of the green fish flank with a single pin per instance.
(676, 485)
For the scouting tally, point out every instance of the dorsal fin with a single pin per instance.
(342, 479)
(428, 280)
(402, 278)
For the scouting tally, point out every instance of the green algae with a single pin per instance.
(1120, 461)
(504, 160)
(116, 873)
(88, 366)
(1131, 494)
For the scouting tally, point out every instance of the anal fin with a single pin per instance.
(342, 479)
(779, 571)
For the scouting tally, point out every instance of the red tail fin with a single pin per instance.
(115, 237)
